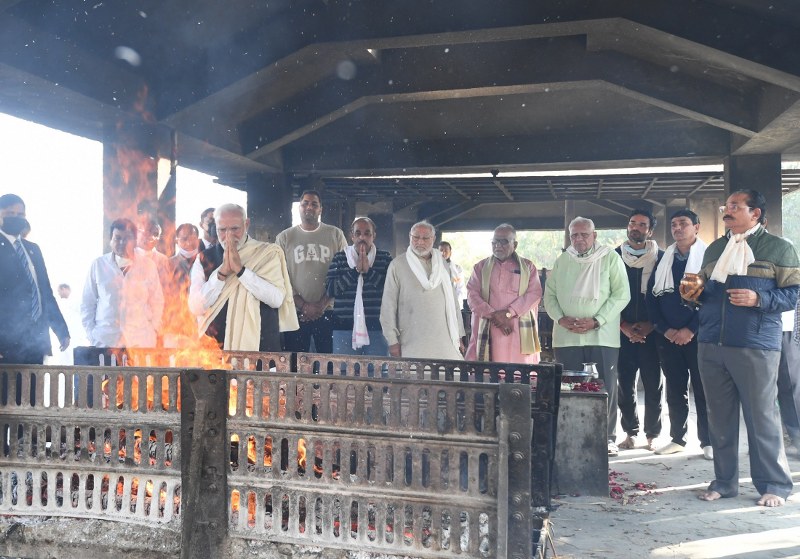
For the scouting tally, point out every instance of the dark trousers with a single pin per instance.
(641, 357)
(321, 330)
(605, 359)
(789, 386)
(680, 367)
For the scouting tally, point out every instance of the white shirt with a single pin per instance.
(457, 278)
(122, 310)
(203, 294)
(787, 318)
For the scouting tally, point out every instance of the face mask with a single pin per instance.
(14, 225)
(187, 253)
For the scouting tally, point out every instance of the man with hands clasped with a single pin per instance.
(240, 288)
(586, 292)
(678, 325)
(355, 280)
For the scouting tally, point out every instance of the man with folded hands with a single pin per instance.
(240, 287)
(355, 280)
(677, 323)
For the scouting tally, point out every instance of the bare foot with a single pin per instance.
(770, 500)
(710, 496)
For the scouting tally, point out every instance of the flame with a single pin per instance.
(251, 450)
(232, 397)
(235, 500)
(301, 456)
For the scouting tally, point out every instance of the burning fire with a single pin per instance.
(301, 456)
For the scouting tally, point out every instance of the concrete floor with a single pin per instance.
(663, 517)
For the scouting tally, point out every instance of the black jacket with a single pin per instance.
(19, 334)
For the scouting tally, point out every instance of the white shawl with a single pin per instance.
(440, 277)
(736, 257)
(646, 261)
(360, 333)
(664, 282)
(587, 285)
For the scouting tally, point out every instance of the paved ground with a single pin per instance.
(662, 516)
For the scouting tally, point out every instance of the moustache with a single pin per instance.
(724, 217)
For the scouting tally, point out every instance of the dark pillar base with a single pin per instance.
(762, 173)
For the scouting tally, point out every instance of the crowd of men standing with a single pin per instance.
(721, 319)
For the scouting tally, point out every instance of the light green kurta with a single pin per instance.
(415, 318)
(614, 295)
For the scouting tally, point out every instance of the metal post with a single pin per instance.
(515, 406)
(203, 468)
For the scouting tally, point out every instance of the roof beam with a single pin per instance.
(675, 144)
(699, 186)
(682, 94)
(457, 190)
(649, 187)
(501, 187)
(612, 206)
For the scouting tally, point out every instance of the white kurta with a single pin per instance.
(415, 318)
(122, 310)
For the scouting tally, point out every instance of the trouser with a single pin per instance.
(789, 386)
(321, 330)
(343, 343)
(605, 359)
(642, 357)
(680, 368)
(733, 376)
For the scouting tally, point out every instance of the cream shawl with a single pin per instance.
(587, 284)
(646, 261)
(736, 257)
(243, 321)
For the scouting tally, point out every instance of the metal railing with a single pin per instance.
(96, 442)
(407, 457)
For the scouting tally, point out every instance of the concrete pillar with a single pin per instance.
(762, 173)
(711, 225)
(269, 205)
(661, 232)
(569, 214)
(132, 174)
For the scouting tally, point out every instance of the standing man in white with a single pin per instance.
(419, 315)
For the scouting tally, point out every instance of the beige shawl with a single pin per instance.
(528, 335)
(243, 322)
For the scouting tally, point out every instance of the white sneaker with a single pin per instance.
(708, 452)
(613, 450)
(671, 448)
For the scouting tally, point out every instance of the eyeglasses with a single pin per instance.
(733, 208)
(580, 235)
(500, 242)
